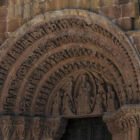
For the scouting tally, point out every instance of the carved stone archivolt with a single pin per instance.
(58, 65)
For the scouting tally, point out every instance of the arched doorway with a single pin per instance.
(86, 129)
(64, 64)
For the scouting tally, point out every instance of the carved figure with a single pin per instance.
(101, 90)
(130, 95)
(69, 88)
(7, 128)
(67, 105)
(112, 103)
(57, 105)
(98, 105)
(84, 97)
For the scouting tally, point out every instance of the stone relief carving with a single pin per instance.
(112, 104)
(84, 94)
(32, 128)
(84, 97)
(57, 105)
(7, 127)
(22, 44)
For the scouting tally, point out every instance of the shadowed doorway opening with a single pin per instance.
(86, 129)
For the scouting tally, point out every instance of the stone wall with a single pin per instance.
(14, 13)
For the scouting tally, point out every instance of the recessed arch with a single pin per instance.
(42, 48)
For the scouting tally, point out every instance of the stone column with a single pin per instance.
(124, 124)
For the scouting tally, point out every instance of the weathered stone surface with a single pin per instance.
(130, 10)
(137, 23)
(3, 26)
(2, 37)
(27, 11)
(3, 2)
(15, 2)
(35, 9)
(136, 39)
(14, 24)
(125, 23)
(3, 13)
(111, 12)
(121, 2)
(18, 11)
(11, 12)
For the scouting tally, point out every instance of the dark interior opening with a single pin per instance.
(86, 129)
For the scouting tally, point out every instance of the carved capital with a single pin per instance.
(37, 128)
(6, 126)
(55, 128)
(21, 128)
(125, 121)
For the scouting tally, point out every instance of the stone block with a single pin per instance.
(3, 13)
(138, 47)
(2, 38)
(84, 4)
(125, 23)
(95, 4)
(66, 4)
(106, 3)
(14, 24)
(3, 25)
(27, 11)
(137, 23)
(136, 39)
(73, 3)
(28, 1)
(11, 12)
(111, 12)
(42, 6)
(34, 9)
(115, 2)
(130, 10)
(3, 2)
(49, 6)
(56, 4)
(18, 11)
(37, 0)
(15, 2)
(121, 2)
(95, 10)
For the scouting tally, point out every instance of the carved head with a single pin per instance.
(109, 88)
(60, 93)
(85, 77)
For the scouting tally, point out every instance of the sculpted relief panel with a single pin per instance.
(84, 93)
(68, 66)
(34, 67)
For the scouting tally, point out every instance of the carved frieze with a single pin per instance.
(84, 93)
(32, 128)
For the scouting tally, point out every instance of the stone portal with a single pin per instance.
(71, 63)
